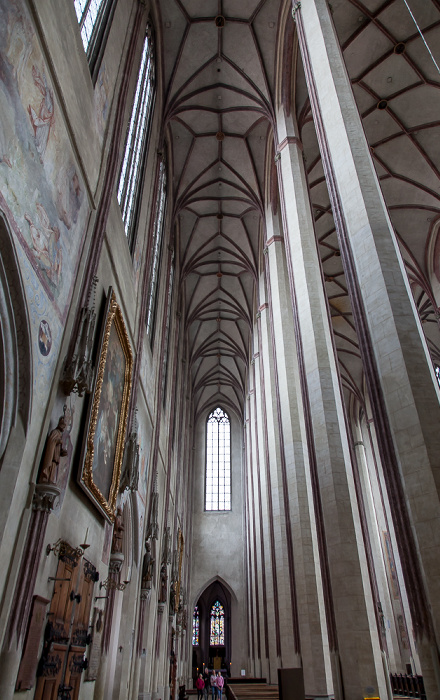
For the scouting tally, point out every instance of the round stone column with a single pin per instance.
(399, 374)
(350, 608)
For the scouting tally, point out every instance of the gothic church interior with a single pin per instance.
(219, 343)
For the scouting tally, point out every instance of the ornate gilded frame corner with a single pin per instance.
(113, 318)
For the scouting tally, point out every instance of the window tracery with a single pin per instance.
(167, 327)
(218, 461)
(94, 19)
(130, 179)
(156, 247)
(196, 627)
(217, 635)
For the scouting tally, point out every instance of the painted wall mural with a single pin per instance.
(41, 192)
(102, 110)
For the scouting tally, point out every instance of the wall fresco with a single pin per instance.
(40, 309)
(102, 101)
(41, 191)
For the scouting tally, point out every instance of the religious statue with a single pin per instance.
(163, 584)
(153, 526)
(53, 452)
(172, 598)
(147, 566)
(118, 529)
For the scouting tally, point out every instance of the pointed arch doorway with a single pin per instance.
(213, 649)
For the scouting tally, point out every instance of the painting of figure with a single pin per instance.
(46, 244)
(42, 192)
(109, 414)
(100, 472)
(42, 121)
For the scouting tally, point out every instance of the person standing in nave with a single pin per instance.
(220, 683)
(213, 685)
(207, 681)
(200, 685)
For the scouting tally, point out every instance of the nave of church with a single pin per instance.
(219, 344)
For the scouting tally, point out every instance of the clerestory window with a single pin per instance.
(167, 328)
(158, 226)
(94, 19)
(218, 461)
(135, 149)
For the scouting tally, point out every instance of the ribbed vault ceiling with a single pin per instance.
(405, 146)
(219, 82)
(219, 94)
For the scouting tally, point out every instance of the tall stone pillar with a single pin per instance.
(301, 532)
(43, 501)
(268, 601)
(280, 529)
(350, 608)
(254, 571)
(399, 374)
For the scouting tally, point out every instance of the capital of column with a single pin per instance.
(145, 593)
(45, 496)
(116, 561)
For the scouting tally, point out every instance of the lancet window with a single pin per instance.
(218, 461)
(167, 328)
(156, 247)
(217, 636)
(196, 627)
(130, 179)
(94, 19)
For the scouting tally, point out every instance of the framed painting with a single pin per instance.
(101, 462)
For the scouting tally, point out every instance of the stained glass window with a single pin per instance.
(196, 627)
(218, 461)
(130, 179)
(94, 19)
(217, 637)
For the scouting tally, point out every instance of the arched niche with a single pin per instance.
(204, 653)
(15, 371)
(130, 542)
(15, 351)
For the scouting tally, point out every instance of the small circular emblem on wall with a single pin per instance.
(44, 338)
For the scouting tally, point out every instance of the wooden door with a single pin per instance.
(66, 633)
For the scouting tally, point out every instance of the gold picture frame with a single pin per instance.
(103, 451)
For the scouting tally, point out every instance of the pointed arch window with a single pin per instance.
(196, 627)
(218, 461)
(217, 635)
(135, 149)
(167, 328)
(94, 19)
(156, 247)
